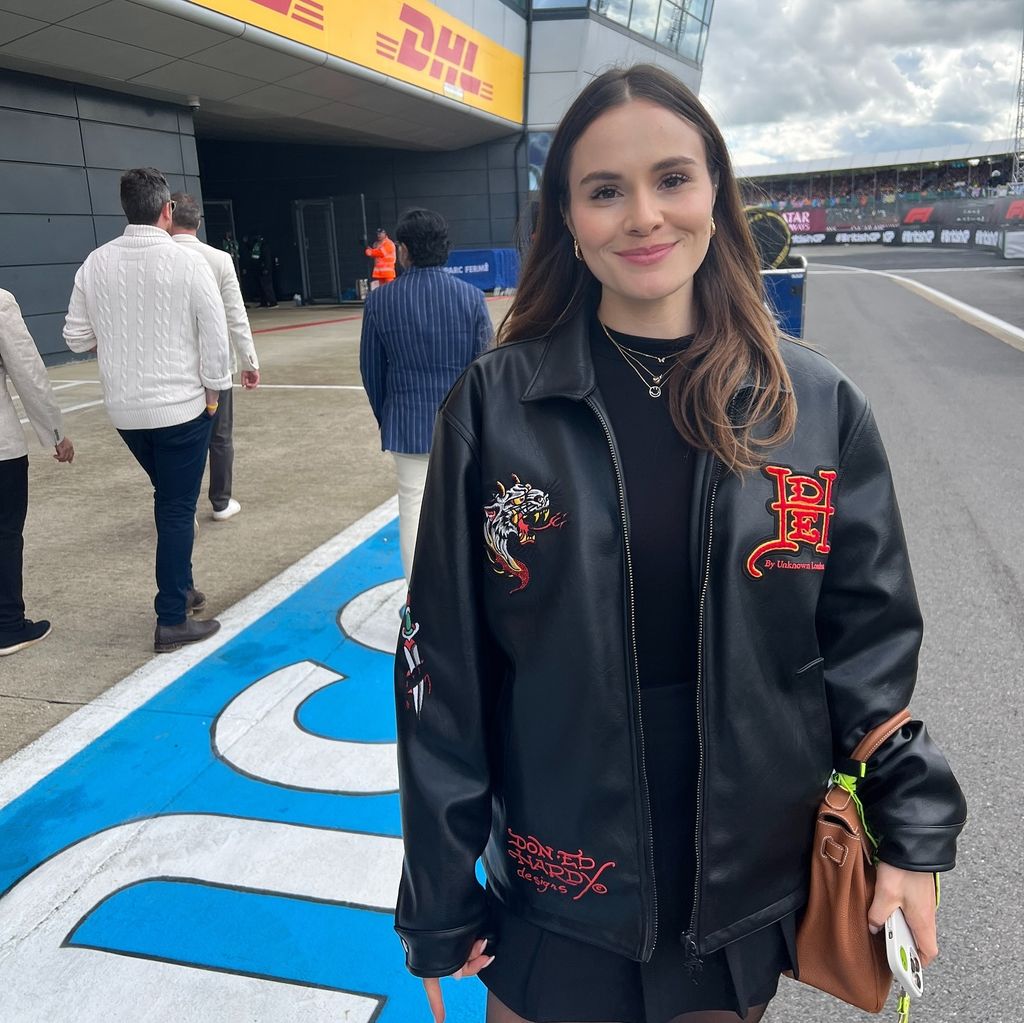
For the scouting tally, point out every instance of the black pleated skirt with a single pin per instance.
(547, 978)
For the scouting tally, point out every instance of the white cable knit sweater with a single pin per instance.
(154, 314)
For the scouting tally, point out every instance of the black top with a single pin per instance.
(657, 468)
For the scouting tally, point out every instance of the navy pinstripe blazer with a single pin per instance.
(419, 333)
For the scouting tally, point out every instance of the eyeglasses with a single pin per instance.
(172, 204)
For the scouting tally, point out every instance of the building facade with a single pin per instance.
(303, 123)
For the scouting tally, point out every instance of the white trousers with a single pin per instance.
(412, 475)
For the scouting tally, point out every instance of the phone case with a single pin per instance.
(904, 961)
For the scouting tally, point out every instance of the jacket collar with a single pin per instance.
(566, 369)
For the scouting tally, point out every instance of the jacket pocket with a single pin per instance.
(810, 686)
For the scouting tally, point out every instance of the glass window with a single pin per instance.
(703, 43)
(689, 39)
(644, 19)
(669, 24)
(698, 8)
(544, 5)
(538, 145)
(613, 10)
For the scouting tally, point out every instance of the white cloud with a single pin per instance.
(807, 79)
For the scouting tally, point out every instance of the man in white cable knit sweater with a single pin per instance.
(153, 314)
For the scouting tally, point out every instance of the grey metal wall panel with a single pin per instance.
(28, 239)
(503, 152)
(46, 332)
(39, 138)
(470, 233)
(112, 108)
(42, 188)
(189, 156)
(105, 189)
(40, 289)
(119, 147)
(108, 228)
(503, 205)
(503, 232)
(421, 186)
(501, 181)
(41, 94)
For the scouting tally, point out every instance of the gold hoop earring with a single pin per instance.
(576, 248)
(713, 228)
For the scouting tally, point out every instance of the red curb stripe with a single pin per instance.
(311, 323)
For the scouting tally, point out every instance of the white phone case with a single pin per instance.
(904, 960)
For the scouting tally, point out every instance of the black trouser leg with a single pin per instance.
(174, 458)
(222, 452)
(13, 509)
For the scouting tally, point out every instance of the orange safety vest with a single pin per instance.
(384, 260)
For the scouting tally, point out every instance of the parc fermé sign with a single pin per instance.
(414, 42)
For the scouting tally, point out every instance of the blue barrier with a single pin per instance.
(786, 295)
(486, 269)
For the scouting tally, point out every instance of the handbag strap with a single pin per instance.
(856, 764)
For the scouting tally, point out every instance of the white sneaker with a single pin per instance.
(230, 511)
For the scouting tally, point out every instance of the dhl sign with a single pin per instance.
(411, 40)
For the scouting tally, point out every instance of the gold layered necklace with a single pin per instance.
(648, 377)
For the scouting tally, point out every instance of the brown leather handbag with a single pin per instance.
(836, 952)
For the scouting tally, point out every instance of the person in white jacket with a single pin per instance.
(154, 316)
(185, 223)
(20, 361)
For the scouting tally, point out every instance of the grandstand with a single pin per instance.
(869, 197)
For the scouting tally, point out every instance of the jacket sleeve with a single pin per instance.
(373, 362)
(447, 677)
(869, 629)
(238, 319)
(24, 366)
(211, 321)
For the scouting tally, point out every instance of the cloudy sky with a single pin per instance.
(805, 79)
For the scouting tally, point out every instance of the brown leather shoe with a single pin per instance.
(171, 637)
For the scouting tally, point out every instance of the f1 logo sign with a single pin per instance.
(919, 215)
(443, 54)
(1015, 211)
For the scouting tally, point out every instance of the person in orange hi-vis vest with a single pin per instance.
(384, 255)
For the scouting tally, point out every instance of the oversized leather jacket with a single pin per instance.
(520, 733)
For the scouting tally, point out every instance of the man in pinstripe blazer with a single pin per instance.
(419, 334)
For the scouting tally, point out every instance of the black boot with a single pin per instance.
(18, 639)
(170, 637)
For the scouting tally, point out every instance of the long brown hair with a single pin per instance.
(736, 338)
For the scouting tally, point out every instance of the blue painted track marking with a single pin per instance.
(227, 882)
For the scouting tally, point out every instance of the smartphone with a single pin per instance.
(904, 960)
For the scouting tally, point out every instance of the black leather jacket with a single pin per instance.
(520, 737)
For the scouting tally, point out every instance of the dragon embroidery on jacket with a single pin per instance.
(517, 512)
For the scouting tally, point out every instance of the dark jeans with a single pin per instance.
(174, 458)
(222, 453)
(13, 509)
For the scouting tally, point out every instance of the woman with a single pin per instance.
(660, 585)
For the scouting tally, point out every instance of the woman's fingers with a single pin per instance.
(476, 960)
(920, 914)
(432, 987)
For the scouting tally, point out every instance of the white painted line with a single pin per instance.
(33, 763)
(62, 380)
(68, 383)
(74, 408)
(991, 325)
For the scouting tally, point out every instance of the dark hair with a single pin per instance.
(425, 234)
(736, 338)
(187, 212)
(144, 193)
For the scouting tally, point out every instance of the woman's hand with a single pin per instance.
(914, 892)
(472, 966)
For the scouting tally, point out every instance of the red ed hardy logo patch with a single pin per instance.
(803, 512)
(557, 870)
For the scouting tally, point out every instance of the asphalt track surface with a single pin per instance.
(948, 399)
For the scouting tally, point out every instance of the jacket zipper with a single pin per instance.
(692, 957)
(650, 933)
